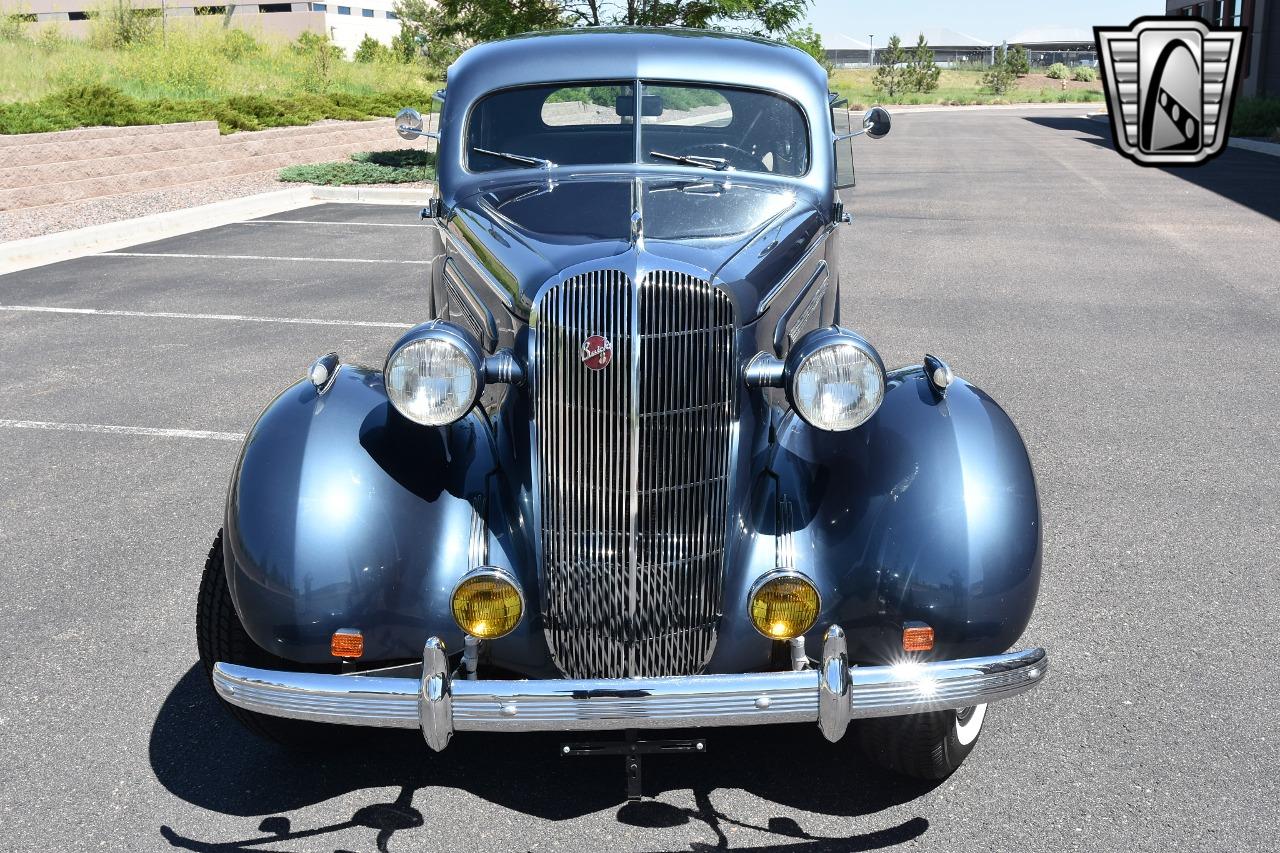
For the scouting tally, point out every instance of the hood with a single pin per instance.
(745, 234)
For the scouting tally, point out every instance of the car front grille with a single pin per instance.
(633, 464)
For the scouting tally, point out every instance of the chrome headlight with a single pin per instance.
(434, 374)
(834, 379)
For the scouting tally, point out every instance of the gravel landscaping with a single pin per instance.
(48, 219)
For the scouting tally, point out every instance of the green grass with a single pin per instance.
(957, 86)
(195, 73)
(370, 167)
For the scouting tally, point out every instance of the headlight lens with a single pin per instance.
(784, 606)
(487, 604)
(838, 386)
(432, 381)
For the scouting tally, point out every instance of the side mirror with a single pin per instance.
(409, 125)
(876, 122)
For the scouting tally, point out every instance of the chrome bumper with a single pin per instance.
(831, 695)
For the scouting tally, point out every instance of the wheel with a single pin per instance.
(923, 746)
(221, 637)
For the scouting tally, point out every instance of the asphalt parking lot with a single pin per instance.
(1126, 317)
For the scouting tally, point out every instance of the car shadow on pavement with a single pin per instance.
(1245, 177)
(202, 755)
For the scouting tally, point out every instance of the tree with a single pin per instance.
(1019, 61)
(404, 45)
(459, 22)
(371, 50)
(1001, 78)
(923, 72)
(811, 43)
(891, 76)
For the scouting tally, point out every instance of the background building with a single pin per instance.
(1261, 73)
(347, 24)
(1068, 45)
(1045, 45)
(845, 50)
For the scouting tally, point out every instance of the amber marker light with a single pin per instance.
(917, 637)
(487, 603)
(347, 643)
(783, 605)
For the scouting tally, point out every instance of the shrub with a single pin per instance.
(1084, 74)
(84, 106)
(118, 24)
(376, 167)
(238, 44)
(1058, 71)
(321, 54)
(1256, 117)
(50, 39)
(371, 50)
(13, 28)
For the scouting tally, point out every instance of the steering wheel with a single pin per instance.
(739, 158)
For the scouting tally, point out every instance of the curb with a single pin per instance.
(1258, 145)
(32, 252)
(374, 195)
(1271, 149)
(939, 108)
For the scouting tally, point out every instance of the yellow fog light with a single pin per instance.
(784, 605)
(487, 603)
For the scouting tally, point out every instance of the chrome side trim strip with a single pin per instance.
(439, 705)
(819, 244)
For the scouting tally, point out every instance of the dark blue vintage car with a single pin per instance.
(633, 473)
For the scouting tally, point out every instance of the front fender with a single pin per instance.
(927, 512)
(342, 514)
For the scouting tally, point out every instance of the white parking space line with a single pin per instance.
(255, 258)
(340, 224)
(303, 321)
(124, 430)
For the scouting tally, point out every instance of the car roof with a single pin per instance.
(659, 53)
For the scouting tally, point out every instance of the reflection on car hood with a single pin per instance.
(526, 232)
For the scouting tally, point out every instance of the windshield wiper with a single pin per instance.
(717, 163)
(516, 158)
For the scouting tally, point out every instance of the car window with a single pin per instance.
(687, 105)
(739, 128)
(586, 105)
(593, 122)
(578, 124)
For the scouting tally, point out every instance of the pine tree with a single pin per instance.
(891, 76)
(923, 73)
(1019, 61)
(1001, 78)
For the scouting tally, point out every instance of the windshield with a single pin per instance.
(718, 128)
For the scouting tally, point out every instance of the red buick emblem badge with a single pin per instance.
(597, 352)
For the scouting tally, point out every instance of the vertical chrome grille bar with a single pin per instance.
(633, 470)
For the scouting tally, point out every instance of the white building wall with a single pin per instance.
(347, 23)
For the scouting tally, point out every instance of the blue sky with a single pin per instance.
(990, 19)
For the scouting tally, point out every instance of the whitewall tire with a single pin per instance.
(923, 746)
